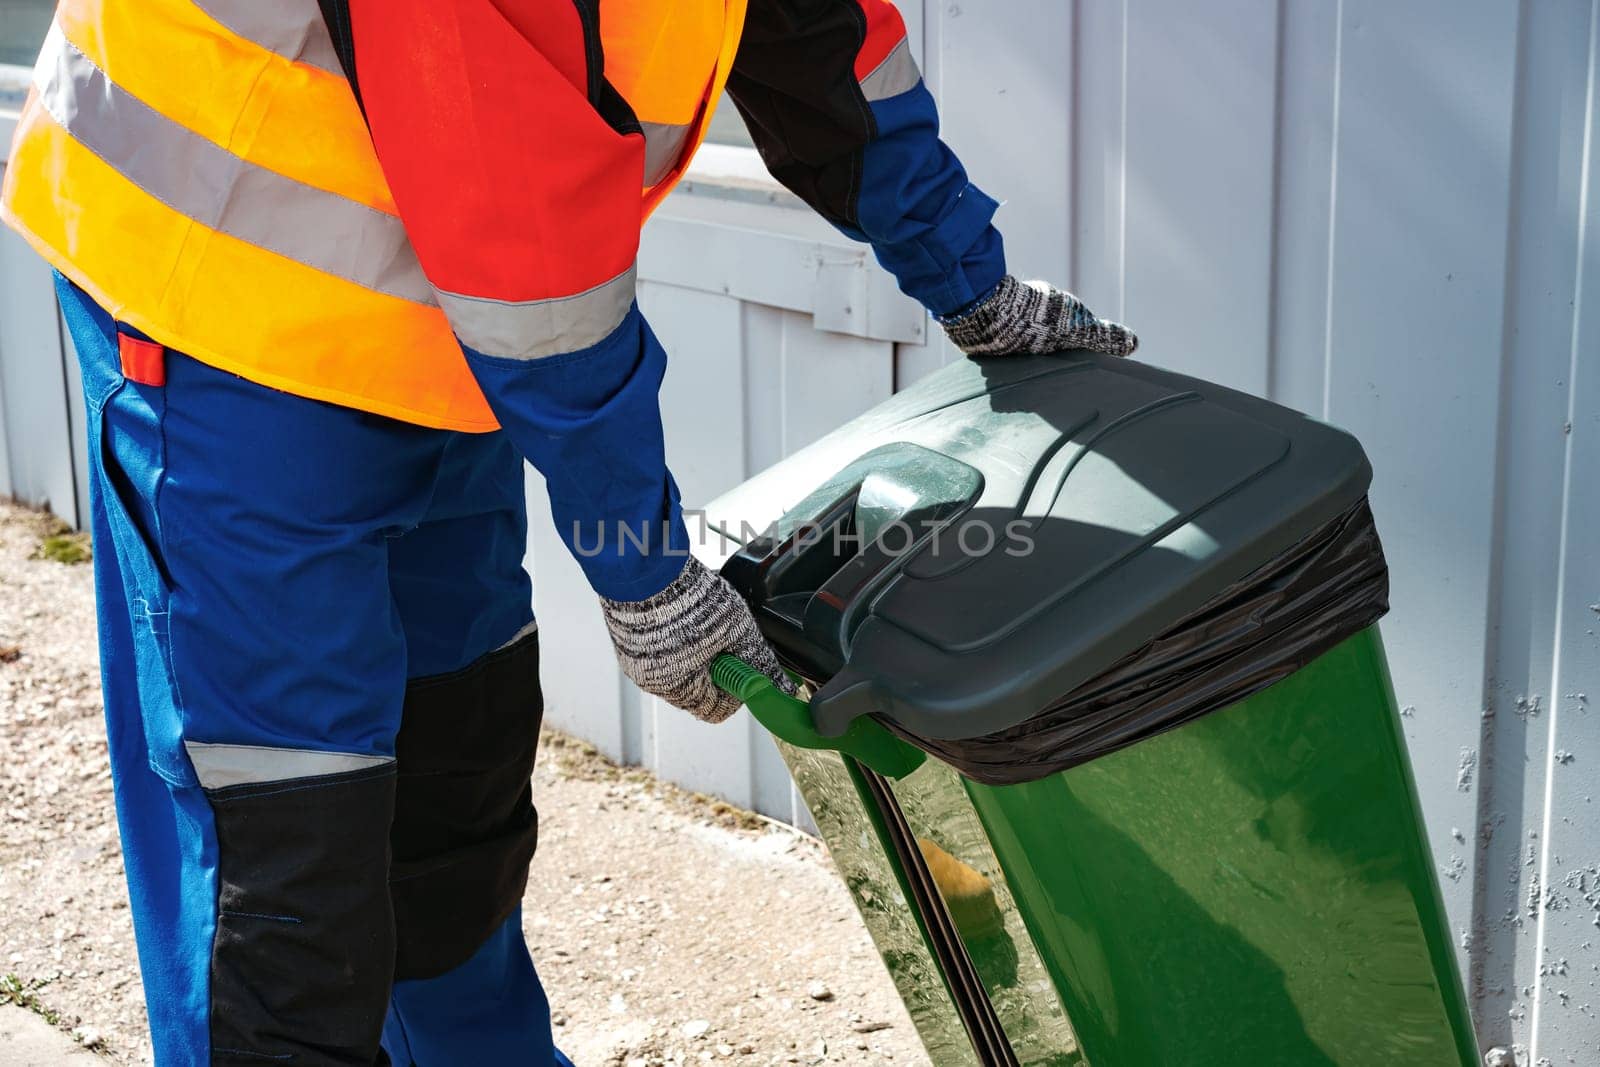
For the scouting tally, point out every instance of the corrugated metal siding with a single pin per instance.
(1385, 214)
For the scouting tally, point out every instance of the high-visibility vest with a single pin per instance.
(202, 169)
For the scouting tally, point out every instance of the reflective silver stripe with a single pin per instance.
(216, 188)
(532, 627)
(219, 766)
(663, 147)
(897, 74)
(294, 29)
(533, 329)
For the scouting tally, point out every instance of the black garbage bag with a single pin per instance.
(1261, 629)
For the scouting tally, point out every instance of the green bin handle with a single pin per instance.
(789, 719)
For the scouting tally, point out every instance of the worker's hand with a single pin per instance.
(1034, 317)
(666, 643)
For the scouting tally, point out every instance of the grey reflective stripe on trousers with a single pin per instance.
(218, 189)
(220, 766)
(294, 29)
(533, 329)
(532, 627)
(895, 75)
(663, 147)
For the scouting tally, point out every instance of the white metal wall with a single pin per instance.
(41, 409)
(1386, 213)
(1383, 213)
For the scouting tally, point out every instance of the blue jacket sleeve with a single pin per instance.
(840, 114)
(529, 236)
(590, 422)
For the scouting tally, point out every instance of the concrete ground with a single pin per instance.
(27, 1040)
(668, 929)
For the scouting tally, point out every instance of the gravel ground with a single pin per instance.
(668, 929)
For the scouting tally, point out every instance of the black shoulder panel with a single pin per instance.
(794, 82)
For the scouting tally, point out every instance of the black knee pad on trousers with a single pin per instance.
(304, 935)
(464, 825)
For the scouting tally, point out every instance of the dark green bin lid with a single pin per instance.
(984, 542)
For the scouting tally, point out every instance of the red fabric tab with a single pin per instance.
(142, 361)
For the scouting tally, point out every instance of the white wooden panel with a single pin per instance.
(777, 256)
(36, 418)
(77, 421)
(702, 398)
(1523, 698)
(772, 790)
(1415, 349)
(827, 379)
(702, 402)
(1302, 203)
(1565, 976)
(1200, 125)
(763, 397)
(41, 404)
(1004, 62)
(1093, 105)
(578, 671)
(911, 13)
(8, 124)
(5, 449)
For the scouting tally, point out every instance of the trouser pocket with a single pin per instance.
(128, 469)
(465, 826)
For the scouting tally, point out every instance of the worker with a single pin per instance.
(333, 271)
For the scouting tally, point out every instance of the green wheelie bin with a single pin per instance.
(1097, 724)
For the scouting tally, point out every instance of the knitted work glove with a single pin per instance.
(1034, 317)
(666, 643)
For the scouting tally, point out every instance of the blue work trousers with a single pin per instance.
(322, 700)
